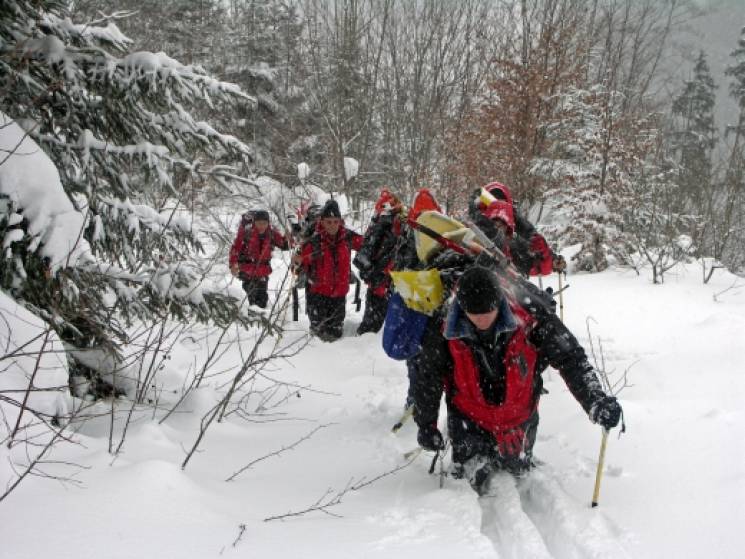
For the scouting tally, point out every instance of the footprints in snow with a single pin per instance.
(534, 518)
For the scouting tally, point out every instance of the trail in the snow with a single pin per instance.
(505, 523)
(571, 529)
(535, 518)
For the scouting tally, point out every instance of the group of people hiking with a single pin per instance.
(475, 329)
(323, 258)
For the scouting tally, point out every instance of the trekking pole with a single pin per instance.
(295, 271)
(295, 298)
(408, 413)
(599, 473)
(561, 299)
(443, 472)
(357, 301)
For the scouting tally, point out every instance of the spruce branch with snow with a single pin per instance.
(99, 146)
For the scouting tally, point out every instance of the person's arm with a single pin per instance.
(363, 260)
(235, 250)
(405, 257)
(433, 364)
(543, 257)
(280, 241)
(523, 227)
(357, 240)
(556, 343)
(520, 254)
(380, 255)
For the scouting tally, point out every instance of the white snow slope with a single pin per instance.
(674, 484)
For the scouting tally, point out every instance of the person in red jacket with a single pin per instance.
(251, 255)
(326, 259)
(513, 233)
(483, 354)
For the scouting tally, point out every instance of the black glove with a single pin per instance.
(430, 438)
(606, 412)
(559, 264)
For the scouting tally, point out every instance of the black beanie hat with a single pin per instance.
(261, 215)
(478, 291)
(331, 209)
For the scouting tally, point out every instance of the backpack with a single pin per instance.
(403, 329)
(418, 295)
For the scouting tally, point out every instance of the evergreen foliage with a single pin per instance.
(118, 127)
(696, 135)
(586, 177)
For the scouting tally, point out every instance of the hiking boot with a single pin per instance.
(480, 481)
(457, 471)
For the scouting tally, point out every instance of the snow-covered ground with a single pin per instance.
(674, 484)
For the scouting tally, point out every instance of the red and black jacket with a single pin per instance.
(495, 384)
(253, 252)
(498, 391)
(327, 260)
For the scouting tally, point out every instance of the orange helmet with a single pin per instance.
(423, 201)
(387, 203)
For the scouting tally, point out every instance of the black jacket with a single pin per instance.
(377, 250)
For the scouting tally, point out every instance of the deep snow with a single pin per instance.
(674, 484)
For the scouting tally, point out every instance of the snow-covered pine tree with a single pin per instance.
(585, 179)
(695, 135)
(117, 127)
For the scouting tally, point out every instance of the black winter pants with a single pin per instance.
(326, 315)
(375, 308)
(476, 451)
(256, 288)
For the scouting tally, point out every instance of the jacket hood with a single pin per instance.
(500, 191)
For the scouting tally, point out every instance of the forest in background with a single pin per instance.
(565, 101)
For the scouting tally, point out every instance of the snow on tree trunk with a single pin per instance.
(351, 167)
(303, 171)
